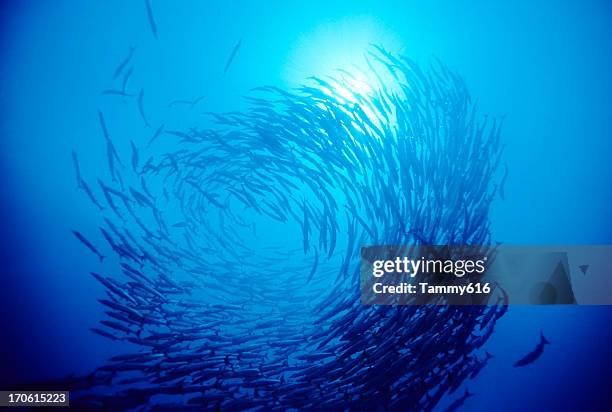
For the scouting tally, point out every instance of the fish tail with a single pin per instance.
(543, 339)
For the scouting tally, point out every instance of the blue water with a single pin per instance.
(543, 65)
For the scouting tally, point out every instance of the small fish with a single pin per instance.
(126, 78)
(191, 103)
(178, 133)
(141, 198)
(104, 333)
(110, 156)
(117, 93)
(151, 18)
(113, 287)
(584, 268)
(534, 354)
(232, 56)
(159, 130)
(143, 184)
(134, 157)
(124, 63)
(109, 199)
(77, 169)
(502, 184)
(457, 403)
(88, 244)
(141, 108)
(117, 326)
(103, 125)
(305, 228)
(90, 194)
(480, 365)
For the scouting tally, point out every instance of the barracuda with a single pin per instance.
(314, 173)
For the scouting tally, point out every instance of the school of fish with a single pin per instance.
(218, 316)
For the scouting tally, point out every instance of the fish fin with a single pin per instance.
(543, 339)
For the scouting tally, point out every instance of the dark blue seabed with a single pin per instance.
(255, 212)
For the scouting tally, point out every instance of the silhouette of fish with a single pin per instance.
(457, 403)
(141, 108)
(126, 79)
(151, 18)
(190, 103)
(124, 63)
(502, 183)
(88, 244)
(77, 169)
(157, 133)
(232, 56)
(534, 354)
(117, 93)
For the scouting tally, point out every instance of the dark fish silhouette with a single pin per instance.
(502, 184)
(103, 333)
(151, 18)
(88, 244)
(232, 56)
(134, 156)
(158, 132)
(77, 169)
(126, 79)
(103, 125)
(124, 63)
(457, 403)
(90, 194)
(479, 365)
(190, 103)
(117, 93)
(584, 268)
(534, 354)
(141, 108)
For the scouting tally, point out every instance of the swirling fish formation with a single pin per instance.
(233, 260)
